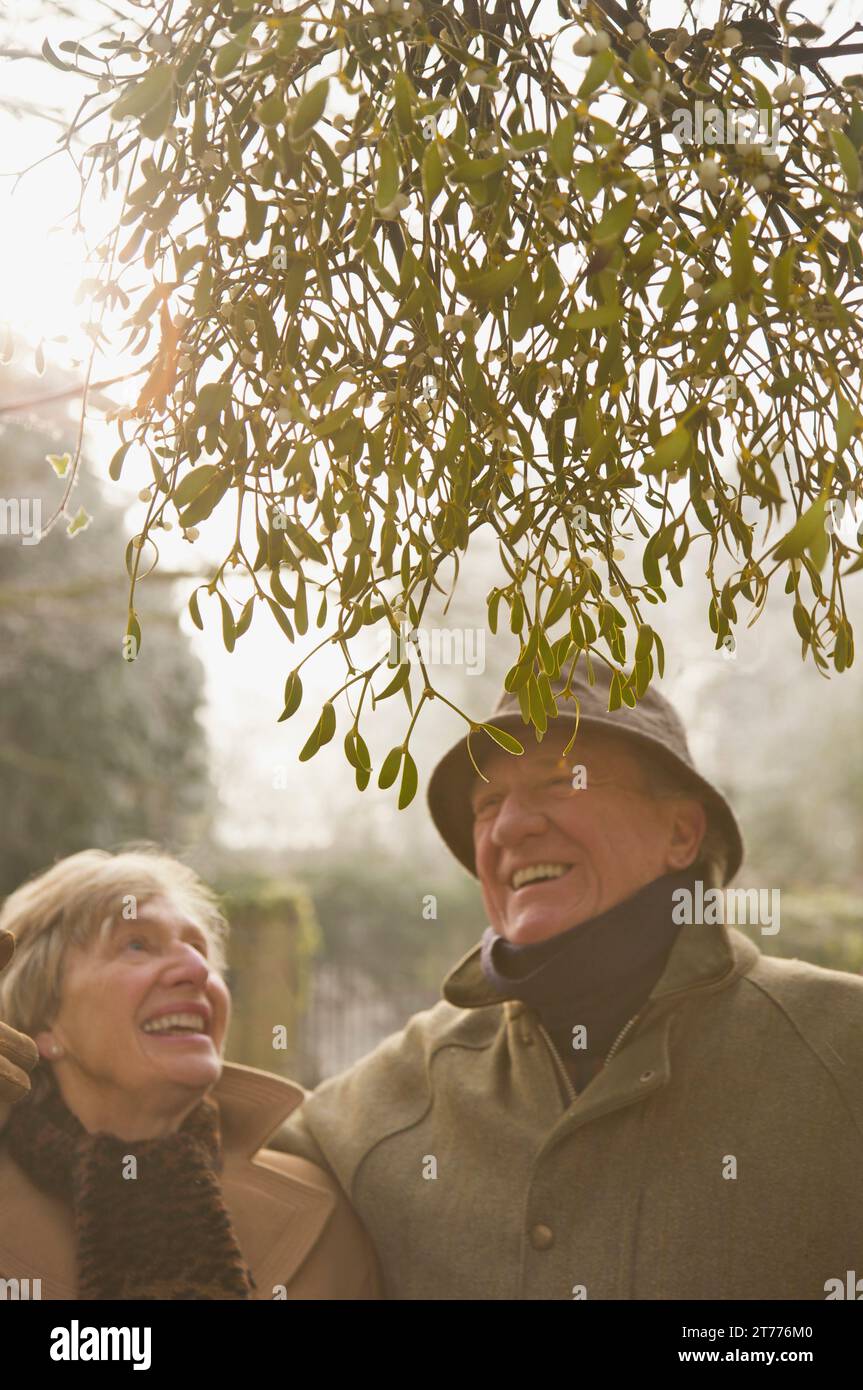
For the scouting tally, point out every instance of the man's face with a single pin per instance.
(600, 842)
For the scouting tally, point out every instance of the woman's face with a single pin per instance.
(143, 1016)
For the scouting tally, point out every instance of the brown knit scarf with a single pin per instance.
(165, 1234)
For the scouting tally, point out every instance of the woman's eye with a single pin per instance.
(137, 941)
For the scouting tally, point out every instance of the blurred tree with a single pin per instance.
(88, 754)
(783, 741)
(274, 939)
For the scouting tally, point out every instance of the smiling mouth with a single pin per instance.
(177, 1025)
(534, 875)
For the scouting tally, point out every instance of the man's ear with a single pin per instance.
(688, 828)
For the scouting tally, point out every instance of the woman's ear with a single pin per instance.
(48, 1045)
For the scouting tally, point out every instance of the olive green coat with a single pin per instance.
(717, 1155)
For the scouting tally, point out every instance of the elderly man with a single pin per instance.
(619, 1097)
(613, 1100)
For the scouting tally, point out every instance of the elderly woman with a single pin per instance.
(133, 1167)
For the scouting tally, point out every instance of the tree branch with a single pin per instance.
(68, 393)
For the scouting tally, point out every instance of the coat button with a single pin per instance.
(541, 1237)
(646, 1076)
(527, 1039)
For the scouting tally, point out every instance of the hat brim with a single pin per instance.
(451, 784)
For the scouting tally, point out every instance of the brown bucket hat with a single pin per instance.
(653, 724)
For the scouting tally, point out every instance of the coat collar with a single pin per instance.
(701, 957)
(252, 1105)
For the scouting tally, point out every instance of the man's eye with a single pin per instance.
(489, 804)
(560, 779)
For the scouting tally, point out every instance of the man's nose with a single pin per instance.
(516, 819)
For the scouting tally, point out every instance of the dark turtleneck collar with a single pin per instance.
(597, 975)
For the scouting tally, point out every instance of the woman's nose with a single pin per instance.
(187, 964)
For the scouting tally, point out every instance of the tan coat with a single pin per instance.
(293, 1224)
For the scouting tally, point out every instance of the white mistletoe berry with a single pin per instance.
(710, 175)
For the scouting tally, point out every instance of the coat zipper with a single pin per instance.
(621, 1035)
(571, 1091)
(573, 1094)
